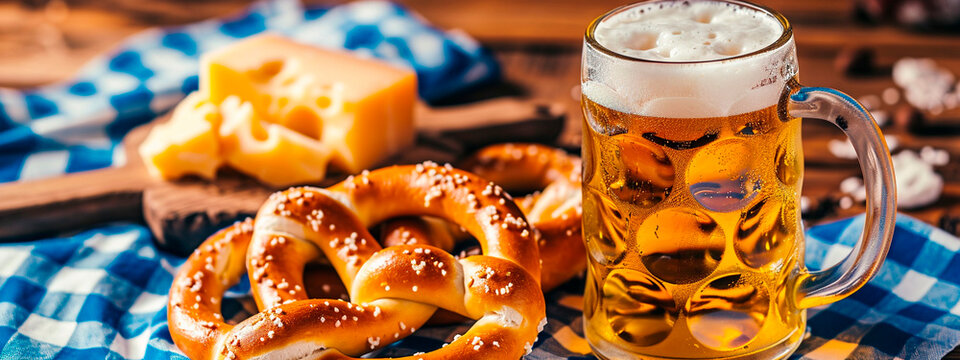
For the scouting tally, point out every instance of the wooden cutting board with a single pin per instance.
(182, 213)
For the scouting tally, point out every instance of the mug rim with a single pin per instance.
(785, 35)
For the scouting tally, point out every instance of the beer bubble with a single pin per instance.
(727, 312)
(639, 309)
(680, 245)
(606, 246)
(641, 173)
(766, 233)
(642, 40)
(724, 177)
(728, 48)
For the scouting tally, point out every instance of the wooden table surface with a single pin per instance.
(538, 44)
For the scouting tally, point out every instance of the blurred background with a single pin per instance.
(899, 57)
(46, 40)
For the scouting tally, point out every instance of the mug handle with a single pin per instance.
(840, 280)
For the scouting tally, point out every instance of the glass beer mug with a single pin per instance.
(692, 173)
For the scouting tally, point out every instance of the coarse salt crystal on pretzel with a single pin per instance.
(395, 289)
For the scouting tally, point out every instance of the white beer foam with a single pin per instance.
(687, 31)
(688, 90)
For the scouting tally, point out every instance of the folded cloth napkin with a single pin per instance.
(77, 125)
(102, 293)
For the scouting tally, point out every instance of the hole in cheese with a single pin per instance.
(323, 102)
(303, 120)
(258, 131)
(266, 71)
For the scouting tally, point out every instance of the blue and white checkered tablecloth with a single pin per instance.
(102, 294)
(77, 125)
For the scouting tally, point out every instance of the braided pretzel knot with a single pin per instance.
(554, 210)
(395, 290)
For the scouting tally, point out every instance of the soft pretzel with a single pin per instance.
(395, 290)
(193, 310)
(554, 209)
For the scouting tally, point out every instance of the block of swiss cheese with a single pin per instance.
(360, 109)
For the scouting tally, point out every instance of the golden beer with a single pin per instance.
(692, 228)
(692, 173)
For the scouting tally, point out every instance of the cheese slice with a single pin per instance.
(361, 109)
(187, 144)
